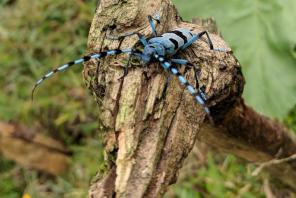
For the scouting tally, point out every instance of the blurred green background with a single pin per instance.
(38, 35)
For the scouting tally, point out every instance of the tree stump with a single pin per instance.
(147, 136)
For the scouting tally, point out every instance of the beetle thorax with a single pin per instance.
(150, 50)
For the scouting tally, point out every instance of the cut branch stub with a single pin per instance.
(147, 137)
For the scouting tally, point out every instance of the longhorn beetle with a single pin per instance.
(156, 49)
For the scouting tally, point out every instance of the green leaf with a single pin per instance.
(262, 36)
(290, 120)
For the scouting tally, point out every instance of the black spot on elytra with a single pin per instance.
(175, 43)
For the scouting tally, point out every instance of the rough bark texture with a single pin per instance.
(147, 137)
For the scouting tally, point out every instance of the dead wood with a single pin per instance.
(33, 150)
(147, 138)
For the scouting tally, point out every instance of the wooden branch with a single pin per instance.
(31, 150)
(256, 138)
(147, 138)
(259, 169)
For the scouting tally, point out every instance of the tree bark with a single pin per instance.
(147, 137)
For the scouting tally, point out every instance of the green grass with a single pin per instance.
(223, 176)
(36, 36)
(52, 33)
